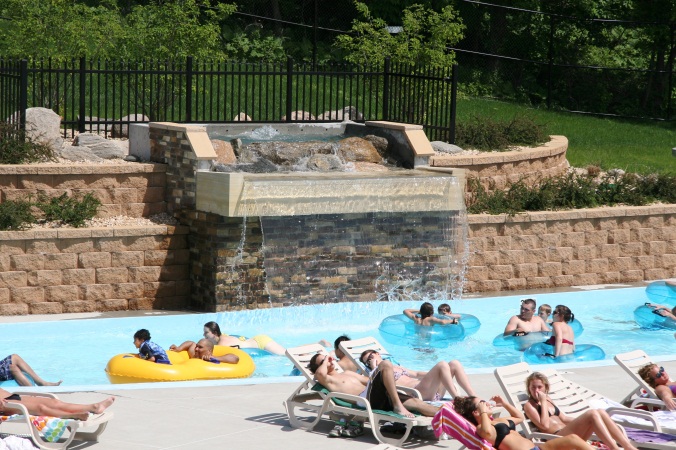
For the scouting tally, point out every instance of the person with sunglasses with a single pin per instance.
(501, 431)
(526, 321)
(548, 418)
(658, 379)
(432, 385)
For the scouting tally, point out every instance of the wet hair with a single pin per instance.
(313, 365)
(644, 372)
(340, 339)
(465, 407)
(426, 310)
(536, 376)
(565, 313)
(529, 301)
(444, 308)
(546, 308)
(214, 328)
(142, 334)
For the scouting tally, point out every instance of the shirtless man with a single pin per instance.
(526, 322)
(203, 349)
(380, 390)
(47, 406)
(345, 363)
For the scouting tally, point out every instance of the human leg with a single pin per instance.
(385, 376)
(570, 442)
(19, 367)
(265, 342)
(593, 422)
(44, 406)
(458, 372)
(439, 378)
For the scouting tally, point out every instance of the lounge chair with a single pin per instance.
(354, 348)
(631, 362)
(72, 429)
(449, 422)
(574, 399)
(312, 397)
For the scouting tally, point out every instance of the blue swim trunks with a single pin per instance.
(5, 374)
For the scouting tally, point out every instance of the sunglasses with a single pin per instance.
(660, 373)
(369, 357)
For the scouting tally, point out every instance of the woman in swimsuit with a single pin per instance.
(658, 379)
(47, 406)
(501, 432)
(213, 332)
(433, 384)
(549, 419)
(563, 336)
(425, 316)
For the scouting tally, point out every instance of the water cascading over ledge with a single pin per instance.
(338, 237)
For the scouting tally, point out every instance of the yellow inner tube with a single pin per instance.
(128, 368)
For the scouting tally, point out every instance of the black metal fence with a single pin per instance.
(97, 95)
(13, 87)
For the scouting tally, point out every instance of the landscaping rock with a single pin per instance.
(300, 115)
(283, 153)
(361, 166)
(44, 126)
(122, 129)
(445, 147)
(347, 113)
(324, 163)
(96, 127)
(242, 117)
(99, 146)
(357, 149)
(380, 143)
(72, 153)
(224, 151)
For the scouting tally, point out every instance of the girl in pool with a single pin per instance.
(549, 419)
(501, 432)
(425, 316)
(658, 379)
(213, 333)
(563, 338)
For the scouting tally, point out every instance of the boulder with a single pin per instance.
(225, 154)
(361, 166)
(324, 163)
(44, 126)
(284, 153)
(96, 127)
(445, 147)
(99, 146)
(122, 129)
(300, 115)
(241, 117)
(380, 143)
(72, 153)
(347, 113)
(355, 149)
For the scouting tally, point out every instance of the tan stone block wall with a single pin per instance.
(571, 248)
(86, 270)
(134, 190)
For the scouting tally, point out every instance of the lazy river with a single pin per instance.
(77, 350)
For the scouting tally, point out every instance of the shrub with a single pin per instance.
(69, 210)
(483, 133)
(15, 215)
(17, 148)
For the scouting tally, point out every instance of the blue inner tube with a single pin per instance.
(661, 293)
(535, 354)
(400, 330)
(470, 323)
(647, 318)
(577, 327)
(521, 343)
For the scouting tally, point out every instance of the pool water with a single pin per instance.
(77, 350)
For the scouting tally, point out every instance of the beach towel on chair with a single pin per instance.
(446, 420)
(51, 428)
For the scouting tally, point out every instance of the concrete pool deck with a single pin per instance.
(251, 416)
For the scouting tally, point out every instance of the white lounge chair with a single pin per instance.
(631, 362)
(573, 399)
(76, 429)
(312, 397)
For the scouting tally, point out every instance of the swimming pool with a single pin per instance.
(77, 350)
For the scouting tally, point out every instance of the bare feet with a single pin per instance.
(401, 410)
(81, 416)
(49, 383)
(99, 407)
(325, 343)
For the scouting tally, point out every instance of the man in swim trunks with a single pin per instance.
(526, 322)
(15, 368)
(204, 350)
(380, 389)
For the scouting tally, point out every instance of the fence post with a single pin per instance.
(188, 89)
(23, 93)
(386, 89)
(672, 29)
(289, 87)
(454, 100)
(314, 37)
(550, 57)
(81, 99)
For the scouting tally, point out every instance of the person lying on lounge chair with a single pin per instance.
(658, 379)
(433, 384)
(380, 389)
(501, 432)
(46, 406)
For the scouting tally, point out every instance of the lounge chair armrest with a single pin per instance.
(347, 397)
(36, 394)
(645, 415)
(19, 406)
(412, 392)
(648, 401)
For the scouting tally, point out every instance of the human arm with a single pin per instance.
(485, 428)
(511, 326)
(411, 313)
(539, 414)
(229, 358)
(544, 326)
(186, 346)
(664, 393)
(436, 320)
(515, 414)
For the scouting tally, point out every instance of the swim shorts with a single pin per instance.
(5, 374)
(262, 340)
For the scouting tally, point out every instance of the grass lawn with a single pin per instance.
(634, 146)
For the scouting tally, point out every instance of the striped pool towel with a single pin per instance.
(52, 428)
(453, 424)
